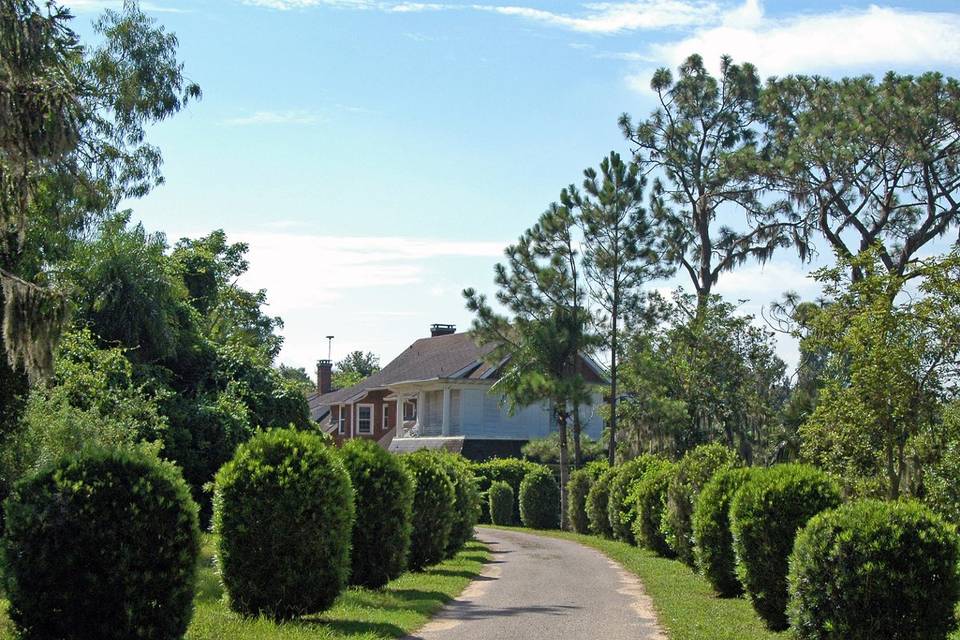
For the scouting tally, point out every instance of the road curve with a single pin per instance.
(537, 587)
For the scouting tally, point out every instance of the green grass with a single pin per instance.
(404, 605)
(686, 605)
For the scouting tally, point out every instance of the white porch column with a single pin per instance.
(445, 425)
(399, 420)
(421, 411)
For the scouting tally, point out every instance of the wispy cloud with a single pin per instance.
(296, 117)
(617, 17)
(849, 39)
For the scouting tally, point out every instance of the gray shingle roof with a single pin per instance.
(446, 356)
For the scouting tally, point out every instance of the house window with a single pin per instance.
(409, 410)
(365, 418)
(341, 421)
(385, 424)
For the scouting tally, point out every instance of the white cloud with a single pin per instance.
(847, 39)
(617, 17)
(301, 117)
(313, 271)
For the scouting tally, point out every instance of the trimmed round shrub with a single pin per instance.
(619, 509)
(693, 472)
(765, 516)
(509, 470)
(597, 500)
(434, 498)
(649, 497)
(283, 515)
(103, 544)
(713, 541)
(500, 497)
(577, 489)
(466, 503)
(875, 569)
(540, 500)
(383, 500)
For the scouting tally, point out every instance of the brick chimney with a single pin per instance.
(324, 376)
(442, 330)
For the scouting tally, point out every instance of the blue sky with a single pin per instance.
(378, 154)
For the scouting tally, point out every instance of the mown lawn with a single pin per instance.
(404, 605)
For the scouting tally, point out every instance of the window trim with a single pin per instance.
(384, 410)
(341, 421)
(360, 429)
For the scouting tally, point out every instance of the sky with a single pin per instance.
(377, 155)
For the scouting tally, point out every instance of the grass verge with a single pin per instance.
(686, 605)
(402, 606)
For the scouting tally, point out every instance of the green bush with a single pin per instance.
(765, 515)
(509, 470)
(383, 500)
(577, 489)
(466, 504)
(101, 544)
(597, 501)
(500, 497)
(875, 569)
(434, 499)
(693, 472)
(649, 498)
(713, 541)
(619, 509)
(540, 500)
(283, 514)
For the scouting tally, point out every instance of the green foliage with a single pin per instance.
(434, 513)
(540, 500)
(874, 569)
(890, 359)
(356, 366)
(620, 510)
(299, 377)
(547, 450)
(383, 501)
(283, 514)
(942, 489)
(693, 472)
(713, 541)
(649, 497)
(103, 544)
(598, 500)
(501, 501)
(509, 470)
(765, 515)
(466, 506)
(577, 490)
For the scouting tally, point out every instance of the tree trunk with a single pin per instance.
(612, 432)
(564, 455)
(893, 477)
(577, 430)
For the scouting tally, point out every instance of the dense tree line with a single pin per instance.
(740, 170)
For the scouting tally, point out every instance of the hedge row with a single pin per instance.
(867, 569)
(109, 540)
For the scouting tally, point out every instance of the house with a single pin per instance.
(439, 393)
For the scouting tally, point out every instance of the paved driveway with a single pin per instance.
(546, 588)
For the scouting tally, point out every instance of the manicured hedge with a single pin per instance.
(649, 497)
(598, 499)
(540, 500)
(766, 514)
(101, 545)
(509, 470)
(619, 509)
(383, 498)
(500, 497)
(466, 506)
(713, 541)
(693, 472)
(872, 570)
(433, 509)
(577, 489)
(283, 515)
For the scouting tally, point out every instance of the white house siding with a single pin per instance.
(483, 417)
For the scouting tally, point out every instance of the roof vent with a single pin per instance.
(442, 330)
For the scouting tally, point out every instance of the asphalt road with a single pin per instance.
(546, 588)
